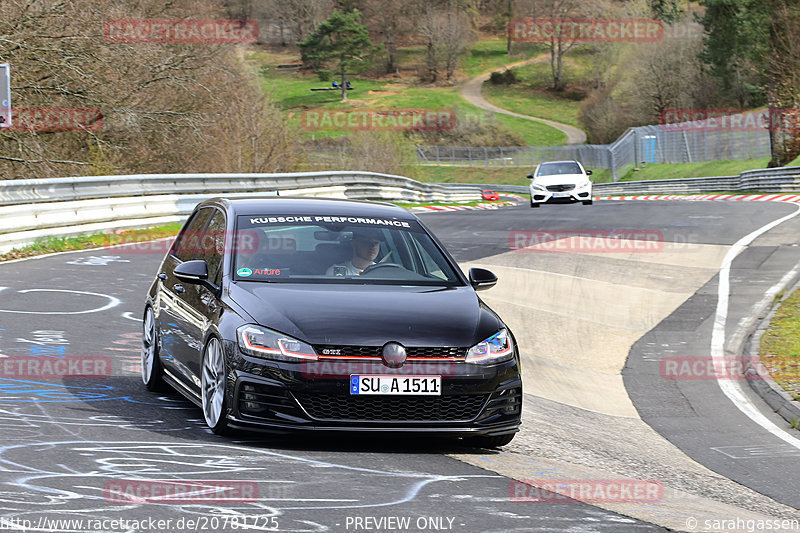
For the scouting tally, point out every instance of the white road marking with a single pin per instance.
(129, 316)
(112, 302)
(730, 387)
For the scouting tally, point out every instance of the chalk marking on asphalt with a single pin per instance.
(176, 454)
(729, 387)
(129, 316)
(112, 302)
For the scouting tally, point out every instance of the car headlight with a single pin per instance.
(263, 342)
(537, 187)
(495, 349)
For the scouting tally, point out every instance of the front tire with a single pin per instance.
(534, 204)
(152, 373)
(587, 202)
(214, 387)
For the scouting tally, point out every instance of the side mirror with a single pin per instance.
(530, 176)
(588, 172)
(481, 279)
(196, 273)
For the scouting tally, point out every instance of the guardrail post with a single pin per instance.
(614, 176)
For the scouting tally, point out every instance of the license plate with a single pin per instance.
(561, 194)
(403, 385)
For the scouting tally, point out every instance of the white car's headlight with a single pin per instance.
(263, 342)
(495, 349)
(537, 187)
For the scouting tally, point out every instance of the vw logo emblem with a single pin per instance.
(394, 355)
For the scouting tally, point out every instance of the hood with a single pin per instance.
(369, 315)
(560, 179)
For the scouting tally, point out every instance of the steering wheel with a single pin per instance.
(376, 266)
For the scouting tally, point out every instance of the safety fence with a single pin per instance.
(677, 143)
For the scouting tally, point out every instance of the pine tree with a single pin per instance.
(342, 42)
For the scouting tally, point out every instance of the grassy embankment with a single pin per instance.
(780, 345)
(291, 90)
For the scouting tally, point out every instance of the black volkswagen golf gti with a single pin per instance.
(288, 314)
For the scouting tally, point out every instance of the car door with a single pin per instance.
(174, 313)
(202, 306)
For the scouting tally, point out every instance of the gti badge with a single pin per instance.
(394, 355)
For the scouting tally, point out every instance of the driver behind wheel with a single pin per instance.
(366, 244)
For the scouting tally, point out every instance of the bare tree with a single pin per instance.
(783, 91)
(163, 105)
(447, 34)
(559, 11)
(660, 76)
(299, 17)
(389, 22)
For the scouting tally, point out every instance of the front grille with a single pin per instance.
(560, 188)
(460, 407)
(375, 351)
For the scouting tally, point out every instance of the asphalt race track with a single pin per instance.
(69, 446)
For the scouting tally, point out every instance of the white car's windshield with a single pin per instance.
(554, 169)
(338, 249)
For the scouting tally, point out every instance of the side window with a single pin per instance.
(213, 247)
(188, 242)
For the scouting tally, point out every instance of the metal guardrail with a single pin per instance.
(771, 180)
(31, 209)
(677, 186)
(358, 185)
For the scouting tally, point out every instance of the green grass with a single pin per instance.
(467, 204)
(291, 91)
(534, 133)
(693, 170)
(478, 175)
(491, 54)
(780, 345)
(533, 102)
(531, 95)
(49, 245)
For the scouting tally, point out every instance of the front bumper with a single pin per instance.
(284, 397)
(575, 195)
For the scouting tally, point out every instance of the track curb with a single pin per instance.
(793, 198)
(776, 397)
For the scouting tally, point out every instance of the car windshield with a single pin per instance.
(338, 249)
(555, 169)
